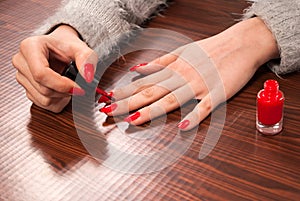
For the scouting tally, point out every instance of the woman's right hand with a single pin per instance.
(44, 86)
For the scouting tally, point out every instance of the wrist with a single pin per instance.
(65, 31)
(256, 40)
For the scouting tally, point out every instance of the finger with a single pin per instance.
(37, 60)
(39, 99)
(24, 74)
(140, 84)
(56, 105)
(146, 96)
(168, 103)
(86, 60)
(199, 113)
(157, 64)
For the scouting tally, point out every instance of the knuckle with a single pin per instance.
(38, 76)
(138, 83)
(207, 106)
(45, 91)
(18, 77)
(25, 43)
(14, 61)
(57, 109)
(29, 96)
(148, 92)
(45, 102)
(17, 62)
(29, 41)
(170, 99)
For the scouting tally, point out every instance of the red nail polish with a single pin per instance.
(103, 99)
(184, 124)
(89, 72)
(101, 91)
(269, 113)
(109, 108)
(132, 117)
(110, 94)
(137, 66)
(77, 91)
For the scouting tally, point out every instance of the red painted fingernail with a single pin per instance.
(137, 66)
(89, 72)
(103, 99)
(132, 117)
(77, 91)
(183, 124)
(109, 108)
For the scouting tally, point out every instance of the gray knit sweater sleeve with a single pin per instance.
(283, 19)
(101, 21)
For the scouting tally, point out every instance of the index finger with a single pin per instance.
(37, 60)
(159, 63)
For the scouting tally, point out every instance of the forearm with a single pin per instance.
(255, 40)
(100, 22)
(94, 20)
(249, 42)
(283, 20)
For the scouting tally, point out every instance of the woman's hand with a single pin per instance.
(211, 70)
(44, 86)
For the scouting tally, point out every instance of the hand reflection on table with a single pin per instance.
(56, 137)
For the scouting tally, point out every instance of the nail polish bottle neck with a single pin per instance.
(271, 87)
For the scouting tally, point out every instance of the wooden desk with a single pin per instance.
(43, 158)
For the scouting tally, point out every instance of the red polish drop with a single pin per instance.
(101, 91)
(137, 66)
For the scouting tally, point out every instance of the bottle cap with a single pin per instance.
(271, 86)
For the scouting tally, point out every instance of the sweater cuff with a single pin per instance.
(141, 10)
(283, 20)
(97, 21)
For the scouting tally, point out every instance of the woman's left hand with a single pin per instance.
(210, 70)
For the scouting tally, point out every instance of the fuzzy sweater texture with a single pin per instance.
(106, 21)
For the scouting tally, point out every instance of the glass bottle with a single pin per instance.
(269, 113)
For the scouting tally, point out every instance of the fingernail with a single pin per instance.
(109, 108)
(89, 72)
(77, 91)
(132, 117)
(106, 97)
(184, 124)
(137, 66)
(103, 99)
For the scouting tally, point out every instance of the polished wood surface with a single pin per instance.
(42, 156)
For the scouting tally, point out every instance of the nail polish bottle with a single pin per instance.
(269, 113)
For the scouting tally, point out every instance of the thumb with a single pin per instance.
(86, 60)
(76, 49)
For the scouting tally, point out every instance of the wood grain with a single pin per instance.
(44, 156)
